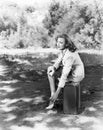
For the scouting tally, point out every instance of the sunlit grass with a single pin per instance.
(26, 99)
(36, 118)
(91, 51)
(14, 127)
(96, 124)
(2, 70)
(86, 119)
(8, 101)
(10, 117)
(99, 102)
(9, 81)
(38, 99)
(92, 109)
(7, 89)
(32, 50)
(89, 57)
(5, 108)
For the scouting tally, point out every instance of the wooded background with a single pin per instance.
(23, 27)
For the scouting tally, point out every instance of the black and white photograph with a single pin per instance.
(51, 64)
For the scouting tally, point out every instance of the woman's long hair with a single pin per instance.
(68, 42)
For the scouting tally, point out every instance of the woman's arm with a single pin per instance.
(55, 96)
(58, 62)
(66, 70)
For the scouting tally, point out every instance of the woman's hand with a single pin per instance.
(51, 70)
(54, 97)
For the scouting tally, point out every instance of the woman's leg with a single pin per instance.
(52, 84)
(52, 80)
(52, 90)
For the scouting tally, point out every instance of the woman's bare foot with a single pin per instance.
(50, 106)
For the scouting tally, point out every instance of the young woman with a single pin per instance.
(72, 67)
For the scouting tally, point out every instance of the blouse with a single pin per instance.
(70, 61)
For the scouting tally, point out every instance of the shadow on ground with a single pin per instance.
(24, 93)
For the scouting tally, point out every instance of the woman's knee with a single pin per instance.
(50, 76)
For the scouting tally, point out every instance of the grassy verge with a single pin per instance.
(89, 57)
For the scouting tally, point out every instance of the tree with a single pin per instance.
(55, 13)
(83, 24)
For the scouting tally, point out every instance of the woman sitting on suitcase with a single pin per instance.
(72, 67)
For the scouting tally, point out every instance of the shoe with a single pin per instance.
(51, 105)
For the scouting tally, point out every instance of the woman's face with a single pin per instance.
(61, 43)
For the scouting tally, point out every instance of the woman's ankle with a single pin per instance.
(52, 94)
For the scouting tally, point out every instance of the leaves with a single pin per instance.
(80, 22)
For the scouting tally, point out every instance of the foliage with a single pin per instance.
(82, 22)
(19, 28)
(55, 13)
(26, 27)
(30, 9)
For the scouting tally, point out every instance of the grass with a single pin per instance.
(89, 57)
(24, 94)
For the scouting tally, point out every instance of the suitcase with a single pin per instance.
(71, 99)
